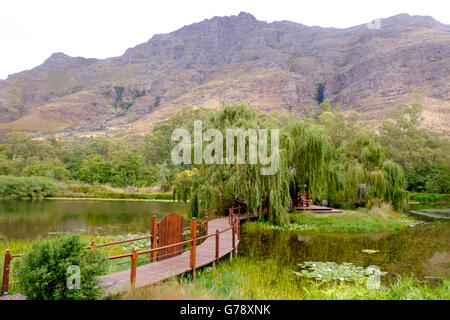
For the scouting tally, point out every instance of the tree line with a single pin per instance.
(330, 149)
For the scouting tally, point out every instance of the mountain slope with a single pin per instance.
(273, 66)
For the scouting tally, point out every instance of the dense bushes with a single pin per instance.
(44, 270)
(81, 190)
(53, 169)
(130, 195)
(430, 197)
(25, 187)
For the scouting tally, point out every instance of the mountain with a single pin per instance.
(274, 66)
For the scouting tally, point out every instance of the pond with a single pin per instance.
(429, 211)
(30, 219)
(421, 250)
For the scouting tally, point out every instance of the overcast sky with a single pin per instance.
(30, 31)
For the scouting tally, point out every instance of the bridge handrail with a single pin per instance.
(93, 245)
(233, 220)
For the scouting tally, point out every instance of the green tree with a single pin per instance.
(26, 187)
(222, 183)
(95, 170)
(325, 106)
(439, 180)
(360, 170)
(7, 166)
(339, 128)
(163, 177)
(356, 169)
(157, 144)
(414, 148)
(53, 169)
(44, 270)
(130, 171)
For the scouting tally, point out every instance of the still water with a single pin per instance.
(30, 219)
(421, 251)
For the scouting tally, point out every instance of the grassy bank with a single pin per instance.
(252, 278)
(430, 197)
(101, 191)
(377, 220)
(15, 188)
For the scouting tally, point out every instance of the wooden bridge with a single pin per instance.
(170, 254)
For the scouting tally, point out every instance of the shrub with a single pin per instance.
(137, 196)
(371, 203)
(26, 187)
(430, 197)
(80, 187)
(43, 271)
(54, 169)
(95, 170)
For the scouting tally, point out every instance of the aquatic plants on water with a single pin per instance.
(328, 271)
(370, 251)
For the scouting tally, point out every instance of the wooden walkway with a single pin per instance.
(157, 271)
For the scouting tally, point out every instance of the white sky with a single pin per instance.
(30, 31)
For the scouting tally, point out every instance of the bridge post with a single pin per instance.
(239, 229)
(193, 246)
(153, 232)
(217, 246)
(234, 235)
(6, 267)
(134, 258)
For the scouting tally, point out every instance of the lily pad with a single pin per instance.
(327, 271)
(370, 251)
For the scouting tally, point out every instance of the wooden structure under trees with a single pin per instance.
(303, 203)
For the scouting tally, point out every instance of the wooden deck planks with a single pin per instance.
(161, 270)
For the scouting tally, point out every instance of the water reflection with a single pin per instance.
(423, 250)
(30, 219)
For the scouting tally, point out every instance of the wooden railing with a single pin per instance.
(6, 268)
(196, 236)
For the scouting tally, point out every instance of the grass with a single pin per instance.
(107, 199)
(377, 220)
(78, 190)
(430, 197)
(253, 278)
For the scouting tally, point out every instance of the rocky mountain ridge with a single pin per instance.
(274, 66)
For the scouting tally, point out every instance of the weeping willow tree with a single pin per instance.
(355, 170)
(303, 156)
(309, 155)
(360, 171)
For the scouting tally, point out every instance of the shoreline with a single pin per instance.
(108, 199)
